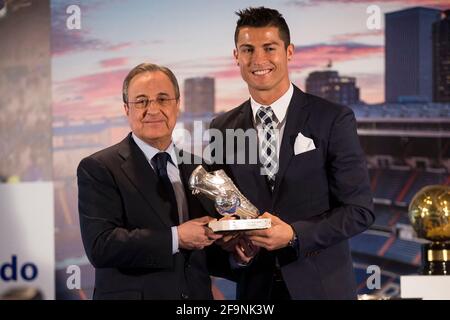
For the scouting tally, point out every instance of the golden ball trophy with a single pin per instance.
(429, 213)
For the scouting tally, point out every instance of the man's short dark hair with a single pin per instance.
(262, 17)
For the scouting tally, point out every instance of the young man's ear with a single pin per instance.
(235, 54)
(290, 51)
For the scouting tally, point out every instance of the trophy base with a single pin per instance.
(436, 258)
(239, 225)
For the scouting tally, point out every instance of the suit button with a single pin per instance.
(184, 296)
(188, 265)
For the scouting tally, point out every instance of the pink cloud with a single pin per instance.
(355, 35)
(318, 55)
(65, 42)
(230, 71)
(371, 85)
(114, 62)
(94, 95)
(118, 46)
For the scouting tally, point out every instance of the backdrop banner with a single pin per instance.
(27, 242)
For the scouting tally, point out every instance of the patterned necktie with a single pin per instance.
(268, 154)
(159, 162)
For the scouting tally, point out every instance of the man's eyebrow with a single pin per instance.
(246, 45)
(273, 43)
(268, 44)
(141, 96)
(162, 94)
(158, 95)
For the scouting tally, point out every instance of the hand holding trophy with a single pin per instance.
(228, 200)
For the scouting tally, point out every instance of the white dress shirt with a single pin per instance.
(174, 176)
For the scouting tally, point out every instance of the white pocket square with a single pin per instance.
(303, 144)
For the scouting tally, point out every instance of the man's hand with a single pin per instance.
(195, 234)
(276, 237)
(244, 250)
(229, 239)
(237, 243)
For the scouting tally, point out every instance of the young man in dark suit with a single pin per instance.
(311, 179)
(142, 229)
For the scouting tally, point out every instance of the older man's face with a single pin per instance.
(155, 123)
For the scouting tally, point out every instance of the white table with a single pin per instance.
(425, 287)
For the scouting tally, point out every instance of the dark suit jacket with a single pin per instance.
(324, 194)
(125, 227)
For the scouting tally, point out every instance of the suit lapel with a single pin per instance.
(296, 118)
(142, 176)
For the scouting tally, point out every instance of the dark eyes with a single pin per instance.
(250, 50)
(142, 103)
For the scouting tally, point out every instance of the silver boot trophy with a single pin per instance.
(228, 201)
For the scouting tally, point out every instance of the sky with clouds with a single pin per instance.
(195, 38)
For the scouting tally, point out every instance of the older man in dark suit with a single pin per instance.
(135, 211)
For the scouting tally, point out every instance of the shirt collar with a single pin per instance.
(279, 107)
(150, 151)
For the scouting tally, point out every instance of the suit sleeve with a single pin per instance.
(350, 196)
(108, 243)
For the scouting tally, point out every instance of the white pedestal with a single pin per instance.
(425, 287)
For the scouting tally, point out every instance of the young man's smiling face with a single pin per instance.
(263, 59)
